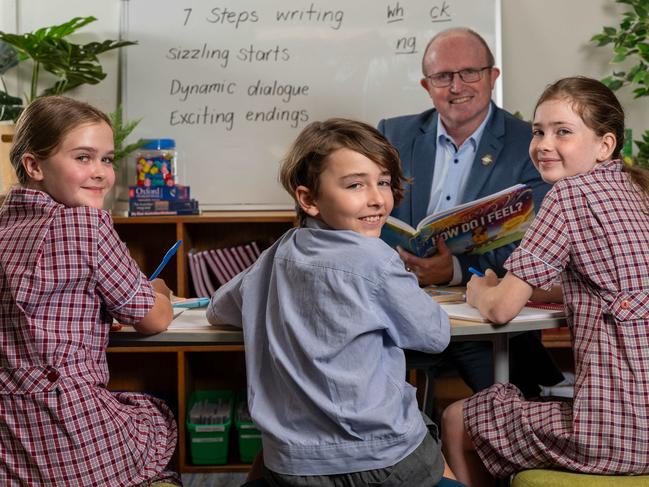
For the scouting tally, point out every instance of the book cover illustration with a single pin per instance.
(472, 228)
(444, 294)
(161, 200)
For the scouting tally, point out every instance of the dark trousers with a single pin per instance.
(530, 364)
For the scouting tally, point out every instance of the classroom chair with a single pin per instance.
(558, 478)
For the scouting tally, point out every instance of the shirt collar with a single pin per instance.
(474, 139)
(316, 223)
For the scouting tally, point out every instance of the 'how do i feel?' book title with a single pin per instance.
(471, 228)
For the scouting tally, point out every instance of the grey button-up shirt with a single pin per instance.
(325, 314)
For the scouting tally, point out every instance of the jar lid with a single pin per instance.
(159, 144)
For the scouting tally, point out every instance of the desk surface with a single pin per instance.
(192, 328)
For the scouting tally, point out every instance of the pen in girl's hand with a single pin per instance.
(476, 272)
(170, 253)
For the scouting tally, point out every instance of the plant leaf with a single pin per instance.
(121, 131)
(10, 106)
(612, 83)
(640, 92)
(601, 39)
(620, 54)
(643, 50)
(640, 10)
(8, 57)
(63, 30)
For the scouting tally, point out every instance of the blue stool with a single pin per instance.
(449, 483)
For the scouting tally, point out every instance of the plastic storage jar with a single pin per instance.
(155, 163)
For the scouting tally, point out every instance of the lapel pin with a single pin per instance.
(487, 159)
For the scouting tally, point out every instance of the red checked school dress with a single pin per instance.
(63, 272)
(594, 230)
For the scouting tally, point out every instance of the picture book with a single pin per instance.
(202, 268)
(169, 193)
(211, 268)
(196, 274)
(471, 228)
(443, 294)
(216, 268)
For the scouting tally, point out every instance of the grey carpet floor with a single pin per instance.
(213, 479)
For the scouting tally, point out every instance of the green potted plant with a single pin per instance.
(121, 130)
(49, 50)
(630, 42)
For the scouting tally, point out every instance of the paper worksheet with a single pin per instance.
(189, 319)
(464, 311)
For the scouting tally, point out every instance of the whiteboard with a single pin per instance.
(233, 82)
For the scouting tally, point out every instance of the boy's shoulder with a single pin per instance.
(340, 249)
(352, 241)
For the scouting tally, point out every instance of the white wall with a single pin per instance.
(549, 39)
(542, 41)
(7, 15)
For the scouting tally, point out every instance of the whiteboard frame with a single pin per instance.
(497, 97)
(498, 91)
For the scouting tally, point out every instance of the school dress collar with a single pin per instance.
(19, 196)
(610, 165)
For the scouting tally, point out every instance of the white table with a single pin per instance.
(192, 328)
(499, 336)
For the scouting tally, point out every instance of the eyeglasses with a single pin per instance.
(469, 75)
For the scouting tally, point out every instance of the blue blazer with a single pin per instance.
(505, 138)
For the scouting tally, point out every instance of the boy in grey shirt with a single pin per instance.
(325, 314)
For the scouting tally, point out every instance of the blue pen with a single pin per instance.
(192, 303)
(476, 272)
(170, 253)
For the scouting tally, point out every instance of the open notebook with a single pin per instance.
(464, 311)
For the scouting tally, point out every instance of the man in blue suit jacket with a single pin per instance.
(501, 160)
(461, 150)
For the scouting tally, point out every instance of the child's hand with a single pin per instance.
(160, 286)
(478, 285)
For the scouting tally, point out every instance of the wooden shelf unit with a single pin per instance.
(556, 337)
(148, 238)
(173, 372)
